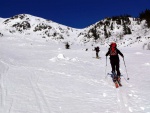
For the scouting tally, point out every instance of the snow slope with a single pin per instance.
(39, 76)
(28, 25)
(120, 29)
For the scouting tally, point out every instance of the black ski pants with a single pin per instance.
(115, 66)
(97, 54)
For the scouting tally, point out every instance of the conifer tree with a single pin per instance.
(145, 16)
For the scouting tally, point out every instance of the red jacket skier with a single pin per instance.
(114, 58)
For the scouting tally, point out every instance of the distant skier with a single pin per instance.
(114, 59)
(97, 49)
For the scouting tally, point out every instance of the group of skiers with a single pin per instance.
(114, 53)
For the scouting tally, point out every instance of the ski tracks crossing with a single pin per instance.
(8, 101)
(40, 98)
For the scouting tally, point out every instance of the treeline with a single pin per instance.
(145, 15)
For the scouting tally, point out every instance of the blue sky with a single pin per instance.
(73, 13)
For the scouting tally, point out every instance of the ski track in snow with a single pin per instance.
(62, 83)
(3, 69)
(121, 94)
(121, 97)
(39, 96)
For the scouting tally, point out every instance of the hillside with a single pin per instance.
(122, 29)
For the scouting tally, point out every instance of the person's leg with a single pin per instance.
(112, 62)
(96, 54)
(118, 71)
(112, 66)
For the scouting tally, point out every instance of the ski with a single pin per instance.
(97, 57)
(115, 80)
(114, 77)
(119, 84)
(116, 84)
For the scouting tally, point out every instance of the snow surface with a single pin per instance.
(39, 76)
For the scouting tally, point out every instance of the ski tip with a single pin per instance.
(117, 85)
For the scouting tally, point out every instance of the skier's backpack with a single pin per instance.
(97, 49)
(113, 50)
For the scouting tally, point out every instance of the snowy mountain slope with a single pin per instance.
(117, 29)
(28, 25)
(38, 76)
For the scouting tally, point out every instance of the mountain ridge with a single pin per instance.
(106, 30)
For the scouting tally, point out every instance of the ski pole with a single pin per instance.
(106, 67)
(126, 69)
(106, 61)
(125, 79)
